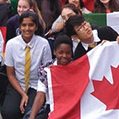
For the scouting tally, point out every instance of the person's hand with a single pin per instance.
(24, 102)
(117, 39)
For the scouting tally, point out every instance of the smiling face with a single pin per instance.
(27, 28)
(23, 6)
(66, 13)
(63, 54)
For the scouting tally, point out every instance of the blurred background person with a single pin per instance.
(106, 6)
(50, 10)
(5, 12)
(13, 22)
(79, 4)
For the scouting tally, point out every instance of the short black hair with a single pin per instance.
(72, 22)
(62, 39)
(29, 14)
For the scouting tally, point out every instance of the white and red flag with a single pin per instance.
(88, 88)
(3, 31)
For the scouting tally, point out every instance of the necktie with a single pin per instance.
(91, 46)
(27, 67)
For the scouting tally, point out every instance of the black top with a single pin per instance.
(104, 33)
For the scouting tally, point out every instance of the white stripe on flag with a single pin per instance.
(113, 20)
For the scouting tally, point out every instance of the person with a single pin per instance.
(79, 4)
(79, 26)
(5, 12)
(50, 10)
(59, 23)
(63, 52)
(67, 11)
(22, 70)
(13, 22)
(58, 28)
(106, 6)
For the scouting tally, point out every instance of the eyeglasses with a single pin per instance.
(82, 26)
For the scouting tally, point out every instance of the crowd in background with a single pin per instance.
(48, 19)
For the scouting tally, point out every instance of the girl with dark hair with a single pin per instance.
(50, 10)
(67, 11)
(13, 22)
(22, 59)
(79, 4)
(106, 6)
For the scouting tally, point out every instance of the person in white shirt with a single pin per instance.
(63, 52)
(17, 101)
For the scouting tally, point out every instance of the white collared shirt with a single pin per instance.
(15, 57)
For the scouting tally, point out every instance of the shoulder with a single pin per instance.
(105, 29)
(41, 40)
(14, 41)
(107, 33)
(13, 19)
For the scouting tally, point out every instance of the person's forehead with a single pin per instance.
(79, 25)
(67, 11)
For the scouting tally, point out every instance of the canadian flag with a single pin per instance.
(87, 88)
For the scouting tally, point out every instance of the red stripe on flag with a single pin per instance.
(68, 84)
(3, 30)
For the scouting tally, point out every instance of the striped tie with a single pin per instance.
(27, 67)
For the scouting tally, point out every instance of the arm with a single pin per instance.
(14, 82)
(38, 103)
(58, 24)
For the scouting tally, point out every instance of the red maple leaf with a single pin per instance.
(106, 92)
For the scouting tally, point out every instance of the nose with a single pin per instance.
(64, 55)
(27, 27)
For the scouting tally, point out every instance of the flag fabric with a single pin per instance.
(103, 19)
(2, 40)
(65, 88)
(70, 95)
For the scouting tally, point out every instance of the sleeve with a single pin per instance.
(55, 25)
(41, 87)
(107, 33)
(42, 82)
(9, 55)
(47, 56)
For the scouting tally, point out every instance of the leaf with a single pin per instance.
(106, 92)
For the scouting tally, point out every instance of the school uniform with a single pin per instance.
(15, 57)
(102, 33)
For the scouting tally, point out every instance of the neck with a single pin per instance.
(26, 40)
(89, 41)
